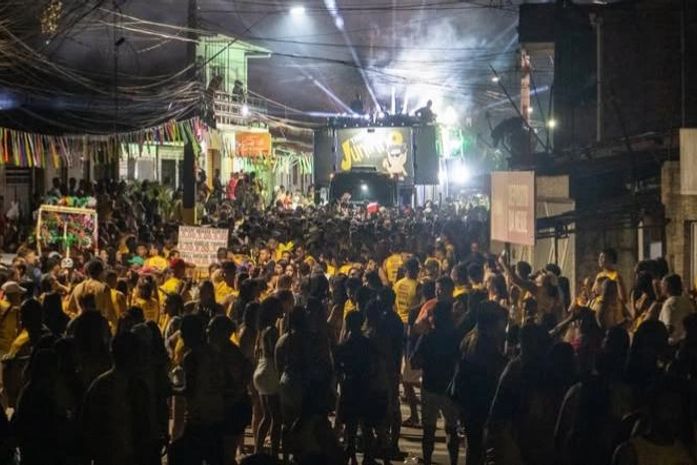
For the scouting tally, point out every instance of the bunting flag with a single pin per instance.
(27, 150)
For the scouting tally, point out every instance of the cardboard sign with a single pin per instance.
(513, 207)
(200, 245)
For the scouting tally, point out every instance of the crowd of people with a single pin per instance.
(313, 329)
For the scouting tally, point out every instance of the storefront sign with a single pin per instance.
(513, 207)
(253, 144)
(388, 150)
(199, 246)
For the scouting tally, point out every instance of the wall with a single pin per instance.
(642, 67)
(681, 210)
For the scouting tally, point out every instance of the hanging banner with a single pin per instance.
(513, 207)
(29, 150)
(388, 150)
(253, 144)
(199, 246)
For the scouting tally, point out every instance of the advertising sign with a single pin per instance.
(200, 245)
(513, 207)
(253, 144)
(388, 150)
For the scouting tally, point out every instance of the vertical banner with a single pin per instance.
(513, 207)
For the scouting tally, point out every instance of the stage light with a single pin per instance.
(297, 11)
(245, 110)
(460, 174)
(495, 79)
(552, 123)
(364, 187)
(449, 118)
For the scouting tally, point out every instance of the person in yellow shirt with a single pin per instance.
(407, 289)
(352, 286)
(607, 261)
(390, 268)
(93, 286)
(156, 259)
(176, 283)
(225, 292)
(461, 279)
(118, 299)
(9, 314)
(145, 299)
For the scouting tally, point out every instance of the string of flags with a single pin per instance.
(29, 150)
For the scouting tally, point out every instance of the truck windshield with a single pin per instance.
(363, 188)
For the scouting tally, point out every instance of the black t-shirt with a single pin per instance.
(437, 353)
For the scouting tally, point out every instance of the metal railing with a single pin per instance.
(239, 110)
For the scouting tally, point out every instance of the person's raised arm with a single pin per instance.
(513, 278)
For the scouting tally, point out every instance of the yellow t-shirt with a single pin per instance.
(171, 286)
(18, 343)
(460, 290)
(405, 290)
(224, 293)
(612, 275)
(349, 307)
(102, 298)
(157, 262)
(346, 269)
(391, 266)
(331, 270)
(151, 308)
(9, 325)
(118, 300)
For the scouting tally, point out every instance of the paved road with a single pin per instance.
(410, 443)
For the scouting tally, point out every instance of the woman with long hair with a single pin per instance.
(266, 378)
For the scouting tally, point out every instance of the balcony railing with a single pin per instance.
(239, 110)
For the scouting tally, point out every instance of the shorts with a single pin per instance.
(432, 404)
(410, 375)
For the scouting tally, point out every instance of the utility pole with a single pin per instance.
(189, 164)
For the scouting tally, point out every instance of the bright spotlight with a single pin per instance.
(552, 123)
(460, 174)
(449, 118)
(364, 187)
(297, 11)
(339, 22)
(245, 110)
(530, 110)
(495, 79)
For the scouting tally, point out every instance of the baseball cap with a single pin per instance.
(12, 287)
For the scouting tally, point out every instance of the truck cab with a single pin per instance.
(364, 185)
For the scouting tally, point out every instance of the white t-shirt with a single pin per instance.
(673, 312)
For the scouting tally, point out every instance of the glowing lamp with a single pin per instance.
(297, 11)
(245, 110)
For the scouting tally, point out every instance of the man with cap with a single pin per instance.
(9, 314)
(93, 286)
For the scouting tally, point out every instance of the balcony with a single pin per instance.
(230, 110)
